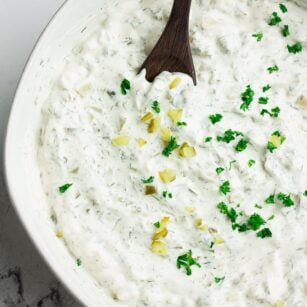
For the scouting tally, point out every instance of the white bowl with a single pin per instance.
(22, 174)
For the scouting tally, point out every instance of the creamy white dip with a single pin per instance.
(105, 218)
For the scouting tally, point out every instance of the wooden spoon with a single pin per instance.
(173, 52)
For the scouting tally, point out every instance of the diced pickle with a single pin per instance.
(160, 234)
(122, 140)
(159, 248)
(150, 189)
(59, 234)
(219, 240)
(187, 151)
(275, 140)
(175, 115)
(167, 175)
(166, 134)
(279, 303)
(147, 117)
(154, 125)
(141, 142)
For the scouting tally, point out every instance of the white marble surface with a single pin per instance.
(25, 279)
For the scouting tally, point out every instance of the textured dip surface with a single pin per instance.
(174, 195)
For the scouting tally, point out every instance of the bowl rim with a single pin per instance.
(6, 171)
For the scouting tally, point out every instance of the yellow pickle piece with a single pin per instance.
(154, 125)
(280, 303)
(166, 134)
(167, 176)
(59, 234)
(175, 115)
(141, 142)
(187, 151)
(147, 117)
(159, 248)
(218, 240)
(150, 189)
(175, 83)
(121, 140)
(160, 233)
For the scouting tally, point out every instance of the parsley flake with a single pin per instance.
(79, 262)
(285, 31)
(171, 146)
(274, 112)
(219, 279)
(283, 8)
(275, 19)
(157, 224)
(229, 136)
(250, 163)
(264, 233)
(225, 187)
(186, 261)
(215, 118)
(296, 48)
(182, 124)
(149, 180)
(156, 106)
(258, 206)
(272, 69)
(266, 88)
(230, 213)
(242, 145)
(167, 194)
(263, 100)
(305, 193)
(258, 36)
(255, 221)
(270, 199)
(125, 86)
(65, 187)
(247, 97)
(285, 199)
(208, 139)
(219, 170)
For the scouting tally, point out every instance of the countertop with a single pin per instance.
(25, 280)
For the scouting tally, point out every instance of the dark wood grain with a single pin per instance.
(173, 52)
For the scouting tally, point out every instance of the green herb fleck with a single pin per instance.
(285, 31)
(305, 193)
(229, 136)
(283, 8)
(255, 221)
(231, 163)
(79, 262)
(230, 213)
(263, 100)
(258, 36)
(208, 139)
(225, 187)
(157, 224)
(264, 233)
(149, 180)
(274, 112)
(219, 279)
(219, 170)
(266, 88)
(211, 245)
(247, 97)
(271, 217)
(272, 69)
(275, 19)
(167, 194)
(156, 106)
(250, 163)
(215, 118)
(285, 199)
(270, 199)
(242, 145)
(182, 124)
(65, 187)
(296, 48)
(258, 206)
(125, 86)
(171, 146)
(187, 261)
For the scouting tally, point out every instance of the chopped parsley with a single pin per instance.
(273, 113)
(65, 187)
(215, 118)
(156, 106)
(219, 170)
(125, 86)
(149, 180)
(258, 206)
(258, 36)
(270, 146)
(283, 8)
(187, 261)
(255, 221)
(266, 88)
(79, 262)
(171, 146)
(270, 199)
(285, 31)
(229, 136)
(182, 124)
(208, 139)
(167, 194)
(230, 213)
(264, 233)
(225, 187)
(272, 69)
(271, 217)
(275, 19)
(305, 193)
(219, 279)
(285, 199)
(250, 163)
(296, 48)
(263, 100)
(247, 97)
(242, 145)
(157, 224)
